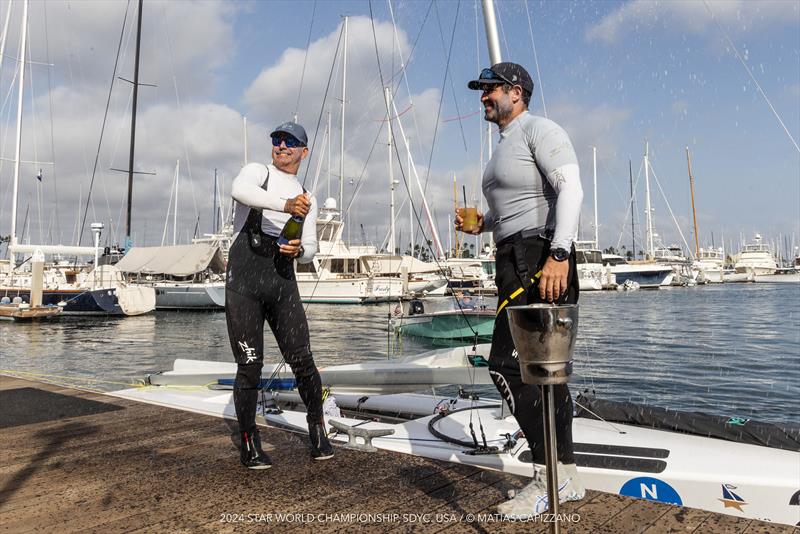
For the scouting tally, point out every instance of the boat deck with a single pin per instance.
(28, 313)
(88, 462)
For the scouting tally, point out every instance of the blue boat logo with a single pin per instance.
(730, 499)
(651, 489)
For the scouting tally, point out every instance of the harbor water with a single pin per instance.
(730, 350)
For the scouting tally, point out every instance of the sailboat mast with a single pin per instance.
(449, 239)
(633, 226)
(5, 36)
(244, 136)
(694, 212)
(411, 224)
(175, 215)
(341, 148)
(388, 93)
(220, 206)
(493, 43)
(20, 94)
(330, 135)
(410, 194)
(594, 175)
(455, 207)
(648, 211)
(133, 125)
(425, 208)
(214, 206)
(490, 23)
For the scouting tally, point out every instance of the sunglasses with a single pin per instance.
(489, 74)
(289, 140)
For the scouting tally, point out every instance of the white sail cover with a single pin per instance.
(177, 260)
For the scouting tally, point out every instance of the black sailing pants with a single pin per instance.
(516, 259)
(261, 286)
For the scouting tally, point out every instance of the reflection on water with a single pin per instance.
(726, 349)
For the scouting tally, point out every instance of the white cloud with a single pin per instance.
(591, 126)
(210, 135)
(183, 43)
(187, 40)
(737, 16)
(272, 98)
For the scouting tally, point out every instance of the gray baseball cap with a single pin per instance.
(293, 129)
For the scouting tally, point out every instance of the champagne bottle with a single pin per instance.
(291, 230)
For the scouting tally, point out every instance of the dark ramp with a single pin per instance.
(25, 406)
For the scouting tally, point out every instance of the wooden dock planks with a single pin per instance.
(151, 469)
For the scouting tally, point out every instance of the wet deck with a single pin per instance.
(84, 461)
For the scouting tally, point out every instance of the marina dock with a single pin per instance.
(84, 461)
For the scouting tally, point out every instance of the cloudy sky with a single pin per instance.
(721, 77)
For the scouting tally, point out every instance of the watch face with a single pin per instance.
(559, 254)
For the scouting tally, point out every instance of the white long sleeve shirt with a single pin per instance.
(248, 193)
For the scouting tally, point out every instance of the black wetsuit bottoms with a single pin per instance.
(260, 287)
(518, 259)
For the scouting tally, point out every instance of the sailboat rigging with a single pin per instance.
(76, 291)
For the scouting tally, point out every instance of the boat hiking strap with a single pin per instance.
(363, 433)
(517, 293)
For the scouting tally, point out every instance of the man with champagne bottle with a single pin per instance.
(276, 221)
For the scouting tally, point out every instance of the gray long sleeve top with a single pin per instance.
(533, 182)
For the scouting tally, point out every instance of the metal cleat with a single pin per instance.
(353, 433)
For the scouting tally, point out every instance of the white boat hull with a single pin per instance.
(356, 290)
(711, 276)
(414, 373)
(189, 296)
(648, 276)
(590, 277)
(757, 270)
(639, 462)
(216, 293)
(788, 278)
(738, 277)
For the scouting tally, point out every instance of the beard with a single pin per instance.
(498, 112)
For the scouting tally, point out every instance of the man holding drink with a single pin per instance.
(532, 186)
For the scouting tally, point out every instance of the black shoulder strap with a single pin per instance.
(266, 180)
(254, 216)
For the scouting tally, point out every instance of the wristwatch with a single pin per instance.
(300, 251)
(559, 254)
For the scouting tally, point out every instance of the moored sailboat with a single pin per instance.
(184, 277)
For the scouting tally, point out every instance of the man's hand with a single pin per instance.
(298, 205)
(553, 281)
(291, 249)
(460, 222)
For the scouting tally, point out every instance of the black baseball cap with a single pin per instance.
(293, 129)
(505, 72)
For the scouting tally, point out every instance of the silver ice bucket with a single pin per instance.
(544, 336)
